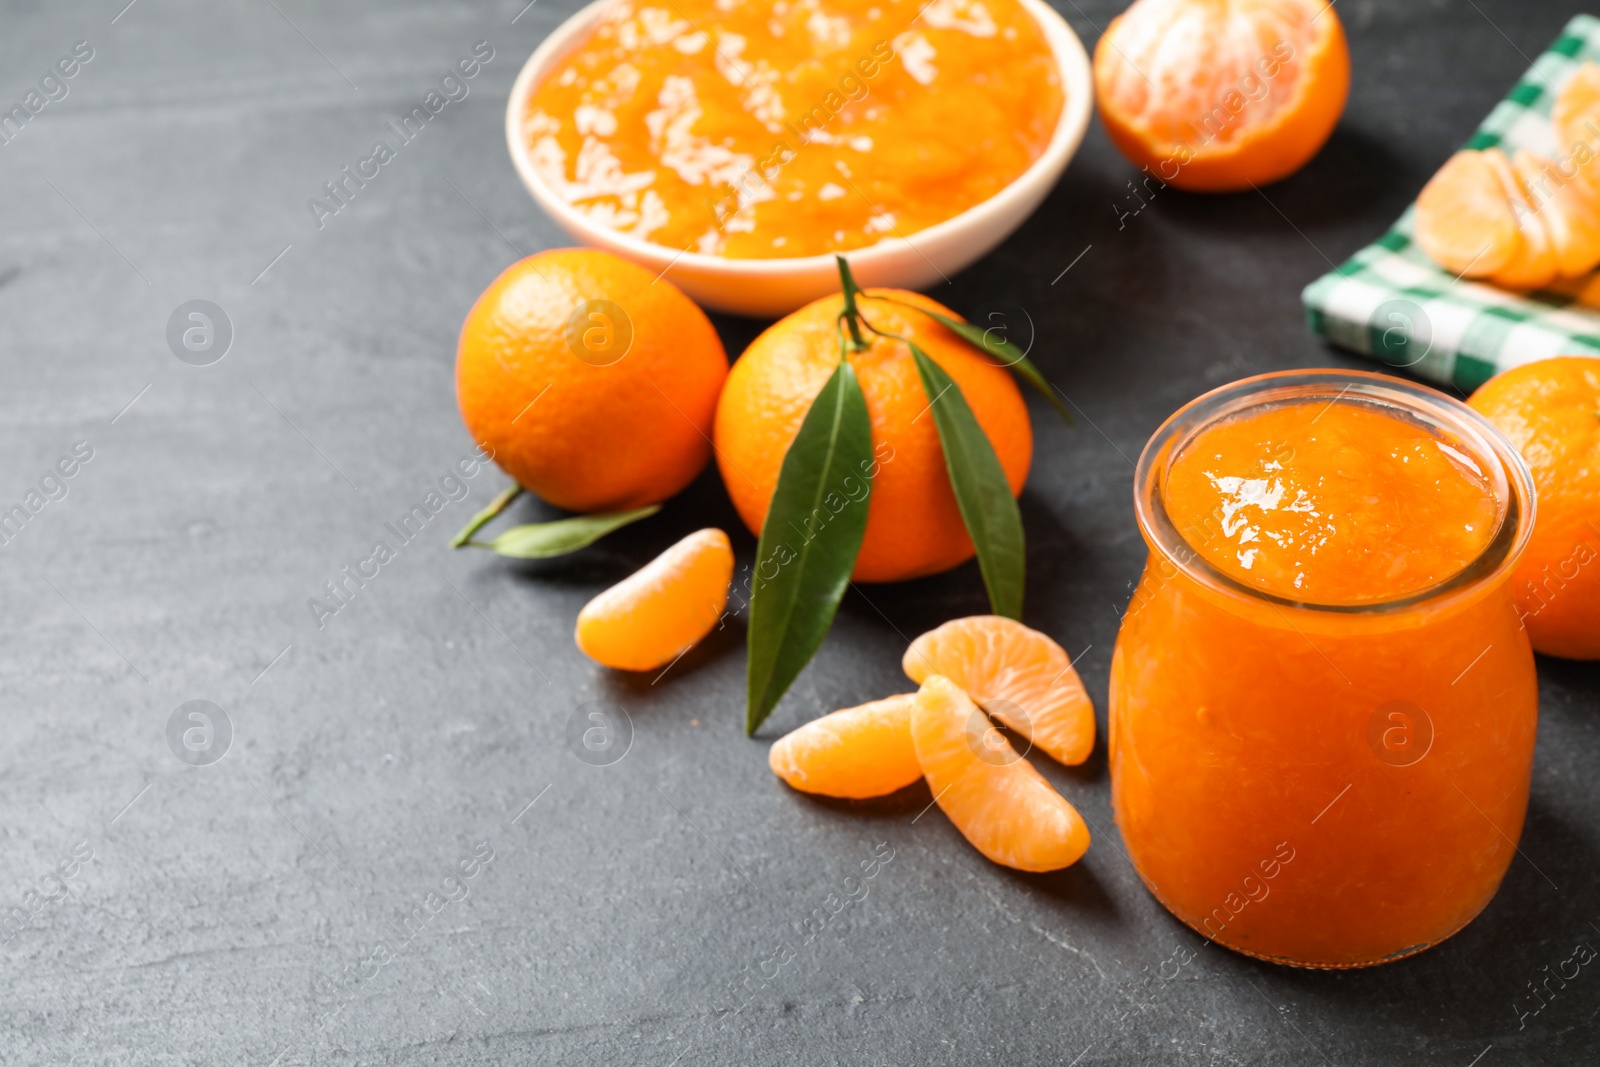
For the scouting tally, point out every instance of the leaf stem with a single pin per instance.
(851, 314)
(484, 517)
(542, 540)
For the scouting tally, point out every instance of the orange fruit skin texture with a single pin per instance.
(1220, 95)
(855, 753)
(1018, 675)
(1550, 410)
(661, 610)
(584, 436)
(914, 527)
(995, 798)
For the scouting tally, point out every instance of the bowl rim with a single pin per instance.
(1072, 61)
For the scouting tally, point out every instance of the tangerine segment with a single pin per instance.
(1534, 265)
(657, 613)
(1464, 220)
(1568, 210)
(992, 794)
(1220, 95)
(1576, 118)
(1017, 674)
(856, 753)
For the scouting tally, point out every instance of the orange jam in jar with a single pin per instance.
(1323, 704)
(782, 128)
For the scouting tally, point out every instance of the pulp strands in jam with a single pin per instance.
(1331, 503)
(761, 129)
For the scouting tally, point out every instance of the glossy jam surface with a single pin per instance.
(1327, 788)
(779, 128)
(1339, 503)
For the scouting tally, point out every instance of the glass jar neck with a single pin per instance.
(1507, 475)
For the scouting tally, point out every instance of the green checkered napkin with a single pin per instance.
(1391, 302)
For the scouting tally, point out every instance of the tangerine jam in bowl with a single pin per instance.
(1323, 704)
(741, 144)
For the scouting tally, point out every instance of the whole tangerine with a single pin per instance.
(1222, 95)
(592, 382)
(914, 525)
(1550, 409)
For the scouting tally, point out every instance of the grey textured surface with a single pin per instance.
(234, 913)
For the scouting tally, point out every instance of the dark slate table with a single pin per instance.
(306, 898)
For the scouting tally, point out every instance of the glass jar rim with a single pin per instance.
(1513, 482)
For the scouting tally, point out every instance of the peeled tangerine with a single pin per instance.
(1521, 222)
(1017, 674)
(996, 799)
(1220, 95)
(856, 753)
(1568, 209)
(1534, 265)
(1576, 118)
(658, 613)
(1464, 219)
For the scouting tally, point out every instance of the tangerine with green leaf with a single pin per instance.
(872, 435)
(914, 525)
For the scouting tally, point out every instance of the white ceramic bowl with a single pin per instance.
(770, 287)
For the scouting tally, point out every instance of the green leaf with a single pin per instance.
(545, 539)
(487, 515)
(987, 506)
(810, 540)
(999, 348)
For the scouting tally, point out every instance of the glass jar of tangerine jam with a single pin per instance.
(1323, 703)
